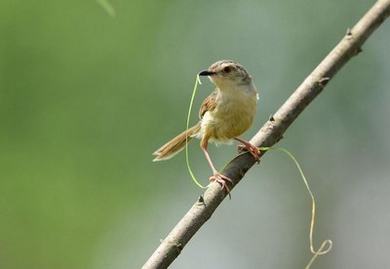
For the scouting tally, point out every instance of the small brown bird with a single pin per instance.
(224, 115)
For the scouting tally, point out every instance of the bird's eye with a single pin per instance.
(227, 69)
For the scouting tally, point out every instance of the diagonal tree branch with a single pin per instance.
(270, 133)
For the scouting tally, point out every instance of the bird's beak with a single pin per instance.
(206, 73)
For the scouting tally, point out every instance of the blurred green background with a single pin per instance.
(85, 99)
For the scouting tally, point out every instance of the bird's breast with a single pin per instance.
(232, 116)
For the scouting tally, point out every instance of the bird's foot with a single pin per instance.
(252, 149)
(223, 180)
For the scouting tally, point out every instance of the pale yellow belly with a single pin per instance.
(229, 120)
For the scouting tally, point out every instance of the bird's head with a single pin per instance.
(227, 74)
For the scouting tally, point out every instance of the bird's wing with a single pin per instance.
(208, 104)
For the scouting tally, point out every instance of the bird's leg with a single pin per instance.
(252, 149)
(217, 176)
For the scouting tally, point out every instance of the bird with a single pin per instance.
(224, 116)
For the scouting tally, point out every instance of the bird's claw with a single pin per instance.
(223, 180)
(252, 149)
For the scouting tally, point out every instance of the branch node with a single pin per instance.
(201, 200)
(349, 32)
(271, 118)
(323, 81)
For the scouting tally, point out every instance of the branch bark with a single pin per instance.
(270, 133)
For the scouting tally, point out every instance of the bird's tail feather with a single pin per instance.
(175, 145)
